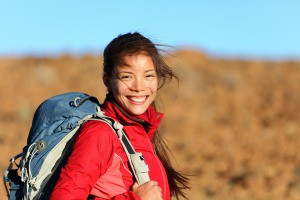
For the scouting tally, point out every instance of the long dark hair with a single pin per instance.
(134, 43)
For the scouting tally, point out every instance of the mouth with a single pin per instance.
(137, 99)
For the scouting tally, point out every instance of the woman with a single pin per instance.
(98, 168)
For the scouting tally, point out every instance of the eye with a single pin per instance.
(150, 76)
(125, 77)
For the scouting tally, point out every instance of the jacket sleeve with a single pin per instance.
(91, 155)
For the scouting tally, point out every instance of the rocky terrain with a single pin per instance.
(233, 125)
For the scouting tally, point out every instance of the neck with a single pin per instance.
(126, 114)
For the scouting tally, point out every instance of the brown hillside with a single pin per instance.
(233, 124)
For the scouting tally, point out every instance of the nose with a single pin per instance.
(137, 85)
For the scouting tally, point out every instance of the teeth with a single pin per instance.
(138, 99)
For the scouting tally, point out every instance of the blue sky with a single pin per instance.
(234, 28)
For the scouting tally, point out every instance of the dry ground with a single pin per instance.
(233, 124)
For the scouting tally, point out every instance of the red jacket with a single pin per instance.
(98, 166)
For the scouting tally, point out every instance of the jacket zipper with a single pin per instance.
(139, 122)
(160, 166)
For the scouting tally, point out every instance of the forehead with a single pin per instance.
(136, 62)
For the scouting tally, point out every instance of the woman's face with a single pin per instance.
(134, 85)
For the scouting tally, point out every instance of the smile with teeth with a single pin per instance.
(139, 99)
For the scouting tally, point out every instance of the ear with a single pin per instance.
(106, 81)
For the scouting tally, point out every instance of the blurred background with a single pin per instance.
(233, 122)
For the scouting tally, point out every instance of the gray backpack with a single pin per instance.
(54, 127)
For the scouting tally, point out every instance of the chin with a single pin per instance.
(137, 112)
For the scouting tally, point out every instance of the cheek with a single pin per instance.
(153, 89)
(117, 88)
(154, 86)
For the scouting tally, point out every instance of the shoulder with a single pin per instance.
(95, 125)
(96, 131)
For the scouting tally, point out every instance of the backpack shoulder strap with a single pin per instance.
(136, 160)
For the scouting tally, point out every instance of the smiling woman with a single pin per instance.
(98, 168)
(134, 86)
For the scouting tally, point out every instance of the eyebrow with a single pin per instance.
(130, 72)
(150, 70)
